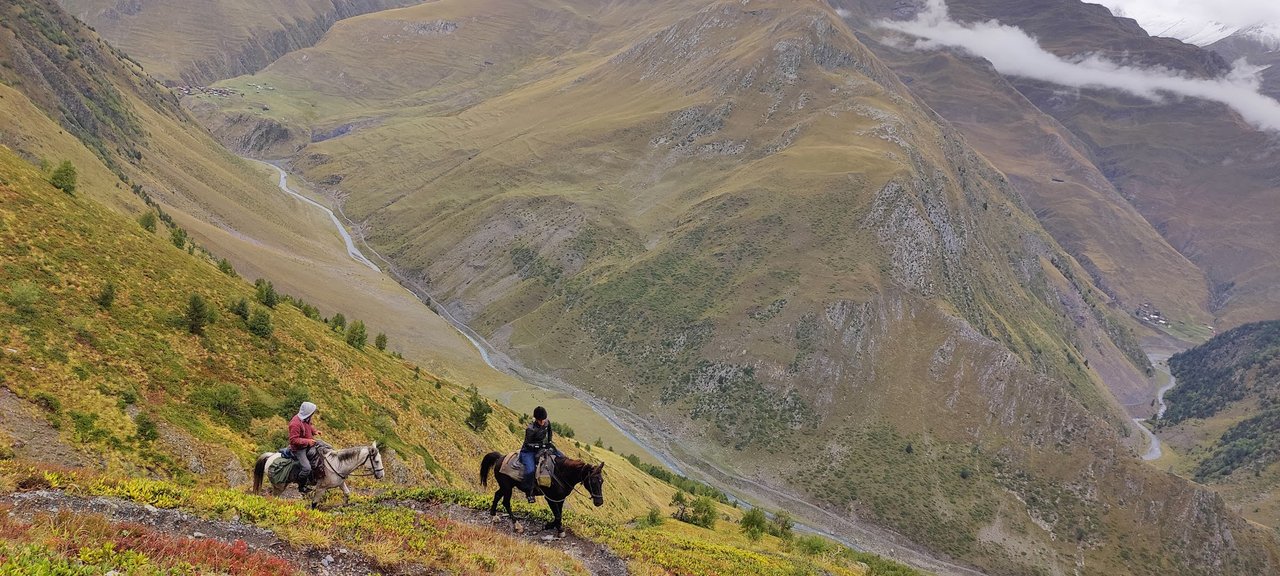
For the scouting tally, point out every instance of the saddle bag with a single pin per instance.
(545, 468)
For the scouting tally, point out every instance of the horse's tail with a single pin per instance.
(259, 470)
(490, 461)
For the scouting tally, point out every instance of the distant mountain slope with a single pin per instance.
(1203, 178)
(1223, 420)
(734, 221)
(196, 43)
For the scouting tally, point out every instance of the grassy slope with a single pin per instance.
(219, 39)
(107, 368)
(229, 206)
(537, 194)
(1222, 417)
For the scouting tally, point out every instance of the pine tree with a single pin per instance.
(478, 418)
(357, 336)
(225, 267)
(338, 322)
(260, 324)
(107, 296)
(64, 177)
(267, 295)
(704, 512)
(380, 341)
(241, 309)
(179, 237)
(198, 314)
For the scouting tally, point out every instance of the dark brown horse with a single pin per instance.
(568, 474)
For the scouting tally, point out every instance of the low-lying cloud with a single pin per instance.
(1015, 53)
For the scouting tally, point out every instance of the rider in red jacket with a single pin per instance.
(303, 442)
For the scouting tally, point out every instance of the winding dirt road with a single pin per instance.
(810, 518)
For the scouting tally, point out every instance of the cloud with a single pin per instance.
(1013, 52)
(1238, 13)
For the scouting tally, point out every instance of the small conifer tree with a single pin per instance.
(107, 296)
(241, 309)
(478, 418)
(199, 314)
(260, 324)
(380, 341)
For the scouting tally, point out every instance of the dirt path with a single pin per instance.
(598, 559)
(326, 562)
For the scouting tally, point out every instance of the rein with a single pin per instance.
(556, 477)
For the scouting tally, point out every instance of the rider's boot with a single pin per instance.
(528, 487)
(304, 482)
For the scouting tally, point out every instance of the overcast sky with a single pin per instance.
(1013, 52)
(1240, 13)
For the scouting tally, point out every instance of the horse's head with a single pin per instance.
(595, 484)
(375, 461)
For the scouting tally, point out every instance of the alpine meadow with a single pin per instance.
(846, 287)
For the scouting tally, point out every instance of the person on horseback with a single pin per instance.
(537, 437)
(303, 443)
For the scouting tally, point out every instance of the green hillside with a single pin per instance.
(737, 223)
(1222, 419)
(122, 385)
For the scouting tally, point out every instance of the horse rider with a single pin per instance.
(303, 443)
(537, 437)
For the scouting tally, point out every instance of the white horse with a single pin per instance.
(338, 465)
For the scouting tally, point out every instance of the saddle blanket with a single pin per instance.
(510, 466)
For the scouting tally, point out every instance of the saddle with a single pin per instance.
(286, 469)
(544, 465)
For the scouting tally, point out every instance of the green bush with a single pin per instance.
(179, 237)
(148, 221)
(380, 342)
(338, 322)
(753, 524)
(23, 296)
(147, 430)
(357, 336)
(48, 402)
(225, 267)
(64, 177)
(224, 401)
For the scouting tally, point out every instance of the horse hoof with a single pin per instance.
(519, 528)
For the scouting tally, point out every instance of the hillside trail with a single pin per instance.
(597, 559)
(870, 537)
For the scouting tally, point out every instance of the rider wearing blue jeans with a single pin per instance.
(537, 436)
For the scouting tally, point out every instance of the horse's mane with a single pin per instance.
(346, 455)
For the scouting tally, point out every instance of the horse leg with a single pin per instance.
(558, 511)
(346, 494)
(506, 503)
(316, 494)
(493, 509)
